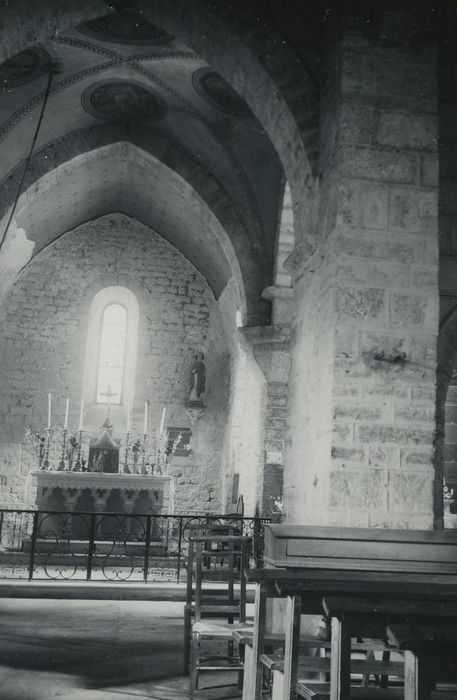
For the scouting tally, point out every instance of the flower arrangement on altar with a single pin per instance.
(152, 453)
(58, 449)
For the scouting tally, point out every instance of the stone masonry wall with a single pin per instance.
(43, 335)
(450, 440)
(376, 362)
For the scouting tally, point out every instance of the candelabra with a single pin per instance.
(78, 464)
(45, 462)
(126, 469)
(64, 445)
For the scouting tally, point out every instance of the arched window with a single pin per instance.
(111, 347)
(111, 355)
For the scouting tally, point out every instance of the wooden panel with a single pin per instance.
(397, 551)
(279, 532)
(361, 606)
(353, 549)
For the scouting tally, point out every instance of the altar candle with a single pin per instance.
(162, 421)
(145, 417)
(81, 412)
(67, 405)
(128, 416)
(49, 411)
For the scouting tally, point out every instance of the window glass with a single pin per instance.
(111, 357)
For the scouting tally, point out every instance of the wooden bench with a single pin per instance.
(307, 564)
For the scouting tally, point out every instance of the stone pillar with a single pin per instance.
(270, 346)
(366, 305)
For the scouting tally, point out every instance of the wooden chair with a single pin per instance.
(213, 596)
(211, 616)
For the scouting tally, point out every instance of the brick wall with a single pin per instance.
(43, 335)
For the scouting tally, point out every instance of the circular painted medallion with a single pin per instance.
(219, 93)
(23, 67)
(123, 101)
(125, 27)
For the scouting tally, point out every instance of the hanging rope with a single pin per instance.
(52, 70)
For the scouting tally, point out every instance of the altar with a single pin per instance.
(101, 492)
(87, 476)
(129, 497)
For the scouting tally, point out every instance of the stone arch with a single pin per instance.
(57, 153)
(446, 356)
(258, 65)
(238, 261)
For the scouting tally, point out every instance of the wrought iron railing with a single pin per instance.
(108, 546)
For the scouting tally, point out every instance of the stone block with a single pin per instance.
(383, 456)
(450, 452)
(354, 303)
(346, 341)
(363, 489)
(346, 390)
(358, 73)
(363, 243)
(413, 209)
(343, 432)
(378, 164)
(408, 310)
(394, 435)
(429, 171)
(356, 120)
(386, 389)
(415, 414)
(357, 412)
(451, 414)
(423, 394)
(417, 457)
(405, 129)
(410, 492)
(373, 203)
(348, 454)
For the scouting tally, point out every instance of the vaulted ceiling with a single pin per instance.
(121, 80)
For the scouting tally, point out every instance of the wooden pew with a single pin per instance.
(430, 651)
(307, 563)
(359, 616)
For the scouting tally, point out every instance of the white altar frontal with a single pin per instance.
(101, 492)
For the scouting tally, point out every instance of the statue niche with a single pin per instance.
(197, 380)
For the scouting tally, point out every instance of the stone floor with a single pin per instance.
(95, 650)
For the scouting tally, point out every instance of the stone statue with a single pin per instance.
(197, 379)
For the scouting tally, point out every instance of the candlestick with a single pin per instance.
(162, 420)
(78, 464)
(126, 469)
(49, 411)
(67, 406)
(64, 442)
(81, 413)
(145, 431)
(45, 464)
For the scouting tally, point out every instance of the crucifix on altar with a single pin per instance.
(109, 394)
(104, 452)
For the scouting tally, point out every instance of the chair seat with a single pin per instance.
(220, 628)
